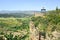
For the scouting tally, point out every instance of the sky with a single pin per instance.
(24, 5)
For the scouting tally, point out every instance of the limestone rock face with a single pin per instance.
(56, 35)
(33, 32)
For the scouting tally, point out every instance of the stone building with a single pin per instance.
(41, 13)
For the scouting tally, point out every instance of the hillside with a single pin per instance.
(47, 27)
(17, 14)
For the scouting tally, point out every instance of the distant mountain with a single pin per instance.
(5, 13)
(25, 12)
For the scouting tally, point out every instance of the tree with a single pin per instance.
(57, 10)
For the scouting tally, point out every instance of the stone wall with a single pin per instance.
(34, 35)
